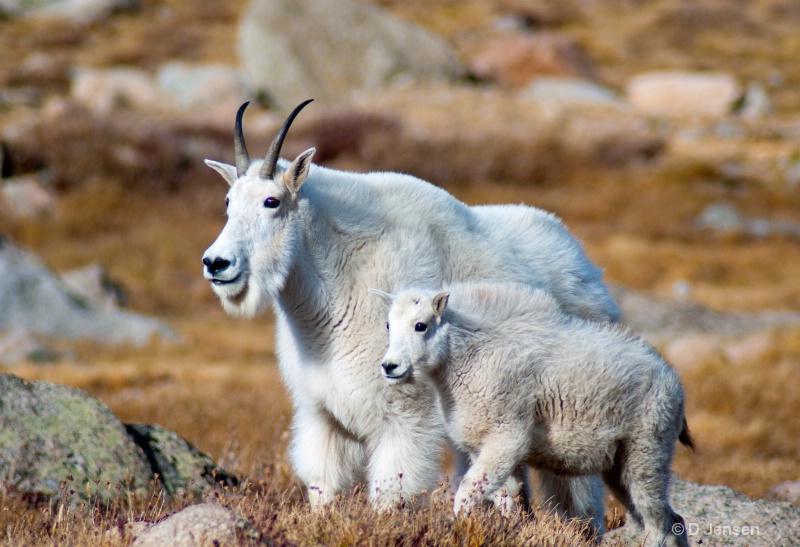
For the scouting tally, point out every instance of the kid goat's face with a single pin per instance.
(417, 335)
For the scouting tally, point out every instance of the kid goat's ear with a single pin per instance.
(385, 296)
(439, 303)
(297, 172)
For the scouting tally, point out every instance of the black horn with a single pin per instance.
(239, 148)
(268, 168)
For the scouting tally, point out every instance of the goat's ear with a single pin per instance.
(439, 303)
(385, 296)
(228, 172)
(297, 172)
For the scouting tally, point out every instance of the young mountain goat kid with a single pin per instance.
(521, 382)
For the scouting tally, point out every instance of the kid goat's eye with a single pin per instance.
(271, 203)
(420, 327)
(387, 326)
(227, 201)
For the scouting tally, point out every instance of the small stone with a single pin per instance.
(674, 93)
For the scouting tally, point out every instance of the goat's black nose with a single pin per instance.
(216, 265)
(389, 367)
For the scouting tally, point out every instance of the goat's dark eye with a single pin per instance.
(271, 203)
(387, 326)
(226, 202)
(420, 327)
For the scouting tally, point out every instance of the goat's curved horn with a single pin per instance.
(268, 168)
(239, 148)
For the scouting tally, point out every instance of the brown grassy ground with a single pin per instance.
(221, 389)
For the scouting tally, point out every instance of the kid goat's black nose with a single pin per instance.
(389, 367)
(216, 265)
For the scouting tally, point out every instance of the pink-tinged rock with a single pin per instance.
(788, 491)
(514, 60)
(749, 349)
(691, 350)
(675, 93)
(103, 90)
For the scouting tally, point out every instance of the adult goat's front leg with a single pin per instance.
(403, 463)
(325, 457)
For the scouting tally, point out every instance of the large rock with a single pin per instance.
(718, 515)
(327, 49)
(33, 299)
(661, 320)
(180, 466)
(52, 435)
(49, 433)
(199, 86)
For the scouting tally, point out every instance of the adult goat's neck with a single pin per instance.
(335, 226)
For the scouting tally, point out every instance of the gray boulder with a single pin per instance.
(718, 515)
(663, 319)
(53, 435)
(79, 11)
(50, 432)
(33, 299)
(179, 465)
(327, 49)
(559, 93)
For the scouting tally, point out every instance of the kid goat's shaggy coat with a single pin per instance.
(522, 382)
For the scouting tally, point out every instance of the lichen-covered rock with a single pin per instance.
(180, 466)
(53, 435)
(50, 432)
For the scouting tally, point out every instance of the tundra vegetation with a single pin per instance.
(222, 391)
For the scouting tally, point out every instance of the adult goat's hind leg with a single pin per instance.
(576, 497)
(324, 456)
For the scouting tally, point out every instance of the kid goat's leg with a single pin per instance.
(491, 469)
(646, 476)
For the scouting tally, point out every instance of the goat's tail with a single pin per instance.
(685, 437)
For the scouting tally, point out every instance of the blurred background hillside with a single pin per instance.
(666, 134)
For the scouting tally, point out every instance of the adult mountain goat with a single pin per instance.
(310, 240)
(519, 381)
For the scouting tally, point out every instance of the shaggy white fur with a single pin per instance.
(310, 240)
(520, 381)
